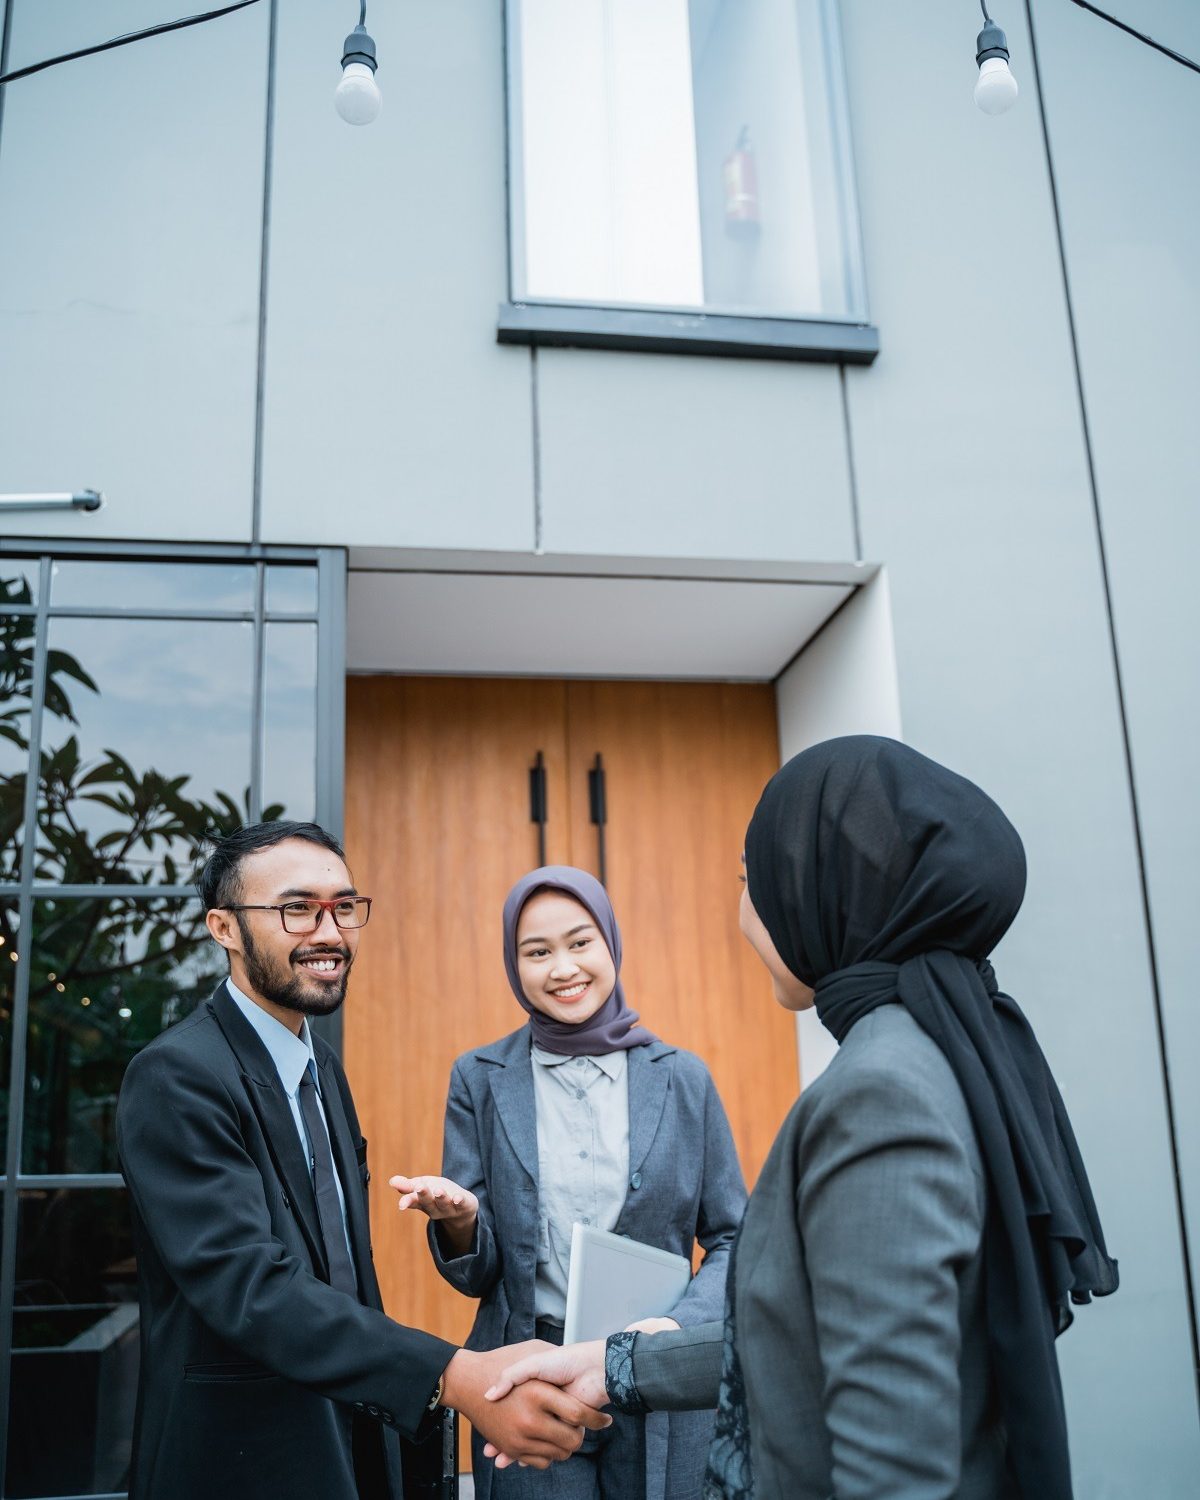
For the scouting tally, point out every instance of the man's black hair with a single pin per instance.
(220, 881)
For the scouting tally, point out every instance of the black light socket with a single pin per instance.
(360, 48)
(991, 42)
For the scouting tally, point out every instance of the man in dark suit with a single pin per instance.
(269, 1369)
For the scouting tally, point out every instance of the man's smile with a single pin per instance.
(322, 966)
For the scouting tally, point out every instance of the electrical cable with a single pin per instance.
(125, 39)
(1131, 31)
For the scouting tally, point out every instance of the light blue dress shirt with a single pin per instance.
(291, 1055)
(583, 1159)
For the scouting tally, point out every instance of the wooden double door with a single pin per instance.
(438, 827)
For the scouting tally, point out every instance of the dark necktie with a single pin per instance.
(329, 1210)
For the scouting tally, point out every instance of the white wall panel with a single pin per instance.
(843, 682)
(392, 417)
(571, 626)
(645, 453)
(973, 486)
(130, 199)
(1129, 189)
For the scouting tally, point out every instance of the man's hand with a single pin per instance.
(454, 1208)
(534, 1424)
(577, 1368)
(654, 1325)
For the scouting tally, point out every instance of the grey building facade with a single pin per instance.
(271, 340)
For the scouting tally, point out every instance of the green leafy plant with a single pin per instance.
(106, 974)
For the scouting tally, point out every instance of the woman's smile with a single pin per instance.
(573, 991)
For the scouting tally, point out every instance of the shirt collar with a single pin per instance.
(612, 1064)
(290, 1053)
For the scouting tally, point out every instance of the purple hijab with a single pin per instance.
(614, 1026)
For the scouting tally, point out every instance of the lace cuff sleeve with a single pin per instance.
(618, 1374)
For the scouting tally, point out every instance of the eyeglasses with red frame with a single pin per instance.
(303, 917)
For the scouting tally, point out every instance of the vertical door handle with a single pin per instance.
(537, 802)
(598, 807)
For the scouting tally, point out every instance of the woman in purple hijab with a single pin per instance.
(580, 1116)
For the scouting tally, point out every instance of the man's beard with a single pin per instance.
(288, 990)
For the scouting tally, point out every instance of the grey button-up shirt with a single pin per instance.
(583, 1159)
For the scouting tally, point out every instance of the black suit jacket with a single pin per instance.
(259, 1381)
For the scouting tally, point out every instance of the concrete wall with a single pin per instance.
(973, 484)
(391, 416)
(130, 226)
(132, 194)
(1129, 188)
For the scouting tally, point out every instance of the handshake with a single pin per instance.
(532, 1402)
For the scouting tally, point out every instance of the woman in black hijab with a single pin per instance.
(923, 1223)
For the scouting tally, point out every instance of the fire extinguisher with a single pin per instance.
(740, 177)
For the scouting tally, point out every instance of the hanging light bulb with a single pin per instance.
(357, 98)
(995, 88)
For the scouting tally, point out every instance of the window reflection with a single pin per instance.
(106, 977)
(9, 949)
(145, 752)
(682, 154)
(18, 580)
(289, 720)
(16, 688)
(75, 1344)
(146, 746)
(291, 590)
(152, 585)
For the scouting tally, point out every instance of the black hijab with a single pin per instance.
(883, 878)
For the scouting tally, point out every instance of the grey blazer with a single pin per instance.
(861, 1327)
(685, 1184)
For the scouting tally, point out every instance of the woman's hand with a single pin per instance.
(654, 1325)
(436, 1196)
(453, 1208)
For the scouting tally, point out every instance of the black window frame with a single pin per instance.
(329, 618)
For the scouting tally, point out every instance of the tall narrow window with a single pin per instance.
(146, 703)
(682, 156)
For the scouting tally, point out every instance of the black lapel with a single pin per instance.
(346, 1159)
(270, 1104)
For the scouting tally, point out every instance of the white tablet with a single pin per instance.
(614, 1281)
